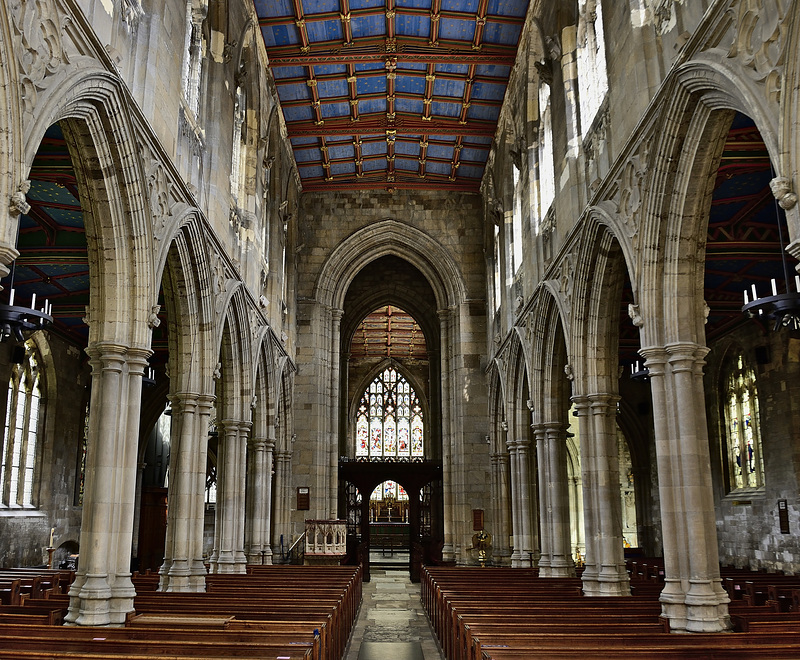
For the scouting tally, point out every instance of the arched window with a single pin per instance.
(21, 430)
(193, 53)
(547, 172)
(591, 61)
(745, 462)
(239, 147)
(516, 237)
(389, 418)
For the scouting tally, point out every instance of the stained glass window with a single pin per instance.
(389, 490)
(389, 418)
(745, 462)
(21, 431)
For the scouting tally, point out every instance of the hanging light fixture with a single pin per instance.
(639, 372)
(17, 321)
(781, 308)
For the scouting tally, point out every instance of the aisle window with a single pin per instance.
(745, 462)
(21, 430)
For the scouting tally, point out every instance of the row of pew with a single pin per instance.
(512, 614)
(279, 612)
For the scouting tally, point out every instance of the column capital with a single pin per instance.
(601, 403)
(336, 315)
(257, 444)
(444, 314)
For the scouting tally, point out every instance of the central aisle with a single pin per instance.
(392, 624)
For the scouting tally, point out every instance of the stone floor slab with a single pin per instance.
(391, 651)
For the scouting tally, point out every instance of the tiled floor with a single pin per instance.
(392, 624)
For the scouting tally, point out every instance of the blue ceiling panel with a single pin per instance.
(493, 70)
(338, 151)
(412, 66)
(368, 26)
(298, 113)
(406, 164)
(370, 66)
(432, 167)
(300, 141)
(406, 148)
(408, 84)
(507, 8)
(320, 6)
(331, 110)
(274, 7)
(488, 91)
(446, 109)
(47, 191)
(445, 87)
(411, 106)
(501, 33)
(279, 35)
(371, 85)
(311, 172)
(294, 92)
(483, 112)
(332, 88)
(366, 4)
(307, 155)
(414, 4)
(371, 106)
(454, 69)
(53, 270)
(324, 30)
(340, 138)
(330, 70)
(477, 155)
(77, 283)
(67, 218)
(470, 171)
(281, 72)
(469, 6)
(440, 151)
(456, 30)
(478, 139)
(373, 148)
(412, 25)
(343, 168)
(374, 165)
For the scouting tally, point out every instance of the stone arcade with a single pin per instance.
(290, 246)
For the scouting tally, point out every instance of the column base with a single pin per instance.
(90, 603)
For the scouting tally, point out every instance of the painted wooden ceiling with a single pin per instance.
(391, 94)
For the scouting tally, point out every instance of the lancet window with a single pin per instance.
(389, 418)
(591, 61)
(745, 461)
(196, 11)
(20, 439)
(547, 174)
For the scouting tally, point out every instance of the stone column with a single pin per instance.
(102, 593)
(500, 500)
(229, 554)
(601, 498)
(336, 402)
(516, 522)
(269, 447)
(137, 509)
(448, 548)
(254, 523)
(527, 505)
(693, 598)
(282, 503)
(556, 559)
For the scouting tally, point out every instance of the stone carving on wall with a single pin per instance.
(18, 205)
(781, 187)
(760, 41)
(566, 278)
(221, 279)
(131, 11)
(629, 190)
(40, 28)
(662, 15)
(159, 189)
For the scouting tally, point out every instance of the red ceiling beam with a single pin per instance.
(402, 125)
(268, 21)
(290, 57)
(436, 6)
(385, 184)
